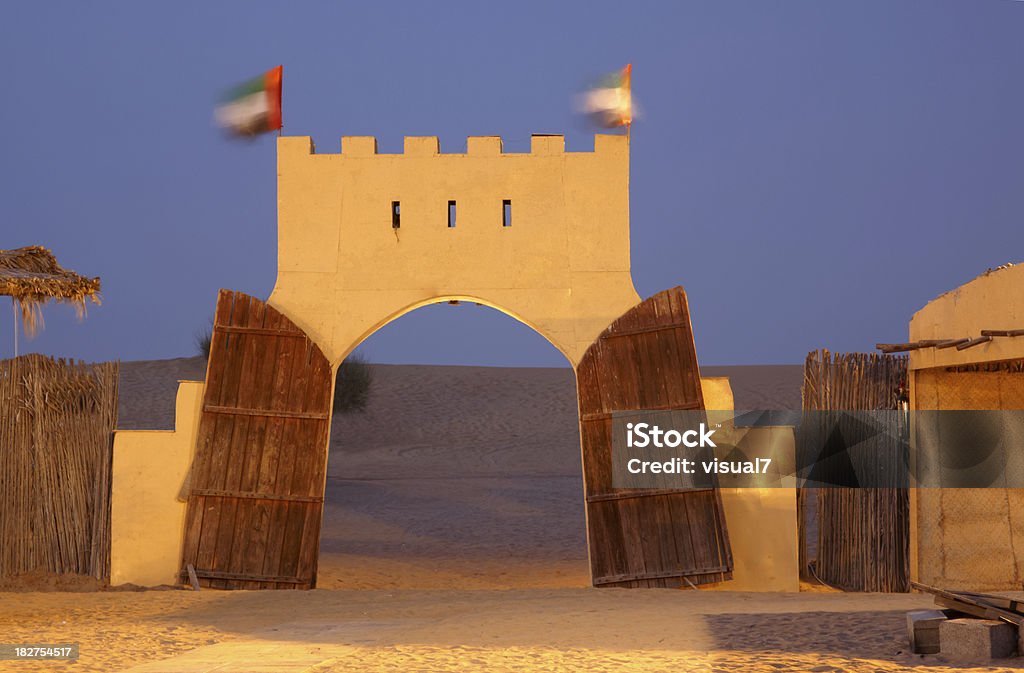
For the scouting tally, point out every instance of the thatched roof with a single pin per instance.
(32, 277)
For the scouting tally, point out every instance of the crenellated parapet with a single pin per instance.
(541, 144)
(542, 235)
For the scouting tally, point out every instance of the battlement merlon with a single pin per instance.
(420, 146)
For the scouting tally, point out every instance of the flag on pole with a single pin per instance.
(253, 107)
(610, 103)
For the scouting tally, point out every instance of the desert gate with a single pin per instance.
(257, 483)
(540, 236)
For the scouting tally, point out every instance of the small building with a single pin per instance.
(968, 354)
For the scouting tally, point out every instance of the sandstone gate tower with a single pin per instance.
(562, 266)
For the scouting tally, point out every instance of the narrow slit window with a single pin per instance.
(451, 214)
(506, 213)
(396, 214)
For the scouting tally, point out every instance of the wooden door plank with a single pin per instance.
(675, 384)
(282, 559)
(200, 470)
(224, 393)
(263, 555)
(310, 543)
(686, 353)
(259, 363)
(303, 519)
(228, 535)
(253, 518)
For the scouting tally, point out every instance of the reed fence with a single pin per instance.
(57, 420)
(862, 535)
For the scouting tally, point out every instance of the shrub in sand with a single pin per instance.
(354, 378)
(352, 388)
(203, 338)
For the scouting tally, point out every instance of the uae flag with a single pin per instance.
(253, 107)
(610, 103)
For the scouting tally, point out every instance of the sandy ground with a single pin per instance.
(453, 540)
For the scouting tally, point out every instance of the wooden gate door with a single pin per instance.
(645, 360)
(257, 480)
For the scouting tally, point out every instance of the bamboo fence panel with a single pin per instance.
(863, 534)
(57, 420)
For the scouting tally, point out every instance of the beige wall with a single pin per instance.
(993, 300)
(968, 538)
(562, 267)
(147, 509)
(761, 521)
(763, 533)
(717, 393)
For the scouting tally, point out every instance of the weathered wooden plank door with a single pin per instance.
(646, 538)
(257, 480)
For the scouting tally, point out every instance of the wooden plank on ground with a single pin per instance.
(972, 605)
(192, 577)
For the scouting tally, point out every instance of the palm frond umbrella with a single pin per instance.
(31, 277)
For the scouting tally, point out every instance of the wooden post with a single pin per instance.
(192, 576)
(913, 541)
(14, 308)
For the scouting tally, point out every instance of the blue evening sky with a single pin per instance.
(811, 171)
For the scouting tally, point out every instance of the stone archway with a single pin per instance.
(256, 495)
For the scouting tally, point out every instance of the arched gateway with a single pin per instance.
(364, 238)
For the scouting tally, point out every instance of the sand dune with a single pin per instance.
(148, 388)
(762, 386)
(497, 504)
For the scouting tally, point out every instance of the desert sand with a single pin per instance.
(453, 540)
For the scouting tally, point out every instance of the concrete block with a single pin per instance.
(923, 630)
(422, 146)
(977, 639)
(611, 144)
(543, 144)
(295, 147)
(358, 146)
(484, 146)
